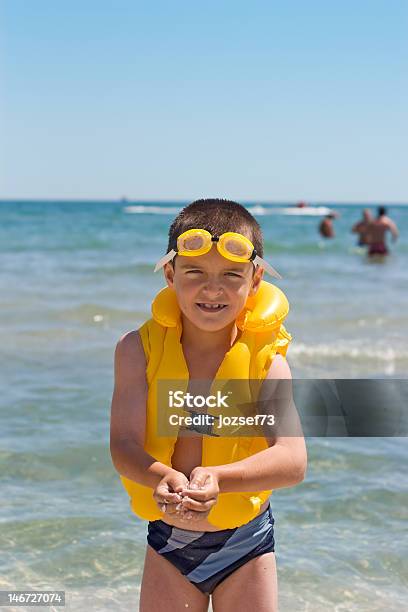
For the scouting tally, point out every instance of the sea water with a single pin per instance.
(75, 276)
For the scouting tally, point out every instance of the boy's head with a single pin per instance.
(217, 217)
(211, 289)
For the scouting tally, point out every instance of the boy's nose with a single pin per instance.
(213, 288)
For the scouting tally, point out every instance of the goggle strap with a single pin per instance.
(165, 259)
(258, 261)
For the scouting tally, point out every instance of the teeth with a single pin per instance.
(213, 306)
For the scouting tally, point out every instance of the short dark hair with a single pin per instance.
(216, 216)
(382, 211)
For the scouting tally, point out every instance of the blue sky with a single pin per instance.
(178, 100)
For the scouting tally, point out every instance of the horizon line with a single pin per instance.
(126, 200)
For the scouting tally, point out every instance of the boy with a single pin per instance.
(210, 523)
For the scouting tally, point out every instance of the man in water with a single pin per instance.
(362, 227)
(377, 232)
(326, 228)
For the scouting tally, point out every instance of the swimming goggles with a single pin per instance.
(231, 245)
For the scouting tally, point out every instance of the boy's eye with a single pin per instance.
(233, 274)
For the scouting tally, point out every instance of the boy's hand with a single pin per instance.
(167, 493)
(201, 493)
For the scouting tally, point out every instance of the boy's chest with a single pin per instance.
(203, 366)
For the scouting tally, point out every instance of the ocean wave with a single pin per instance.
(97, 270)
(312, 211)
(339, 350)
(257, 209)
(152, 210)
(65, 325)
(94, 313)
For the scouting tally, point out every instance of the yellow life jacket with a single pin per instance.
(263, 335)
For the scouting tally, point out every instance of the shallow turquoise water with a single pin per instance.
(74, 278)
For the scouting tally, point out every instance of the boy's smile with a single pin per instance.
(211, 307)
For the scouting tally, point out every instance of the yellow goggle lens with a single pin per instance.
(235, 247)
(194, 242)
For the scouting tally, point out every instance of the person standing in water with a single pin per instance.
(362, 227)
(326, 228)
(378, 229)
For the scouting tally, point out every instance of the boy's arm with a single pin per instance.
(128, 415)
(284, 463)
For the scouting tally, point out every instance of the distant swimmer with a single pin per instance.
(362, 227)
(377, 233)
(326, 228)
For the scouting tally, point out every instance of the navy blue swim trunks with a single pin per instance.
(206, 558)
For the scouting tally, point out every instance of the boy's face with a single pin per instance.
(212, 290)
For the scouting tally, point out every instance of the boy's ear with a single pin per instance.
(169, 274)
(256, 280)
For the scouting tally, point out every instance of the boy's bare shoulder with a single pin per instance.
(129, 355)
(128, 340)
(279, 368)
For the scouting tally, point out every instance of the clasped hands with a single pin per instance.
(188, 499)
